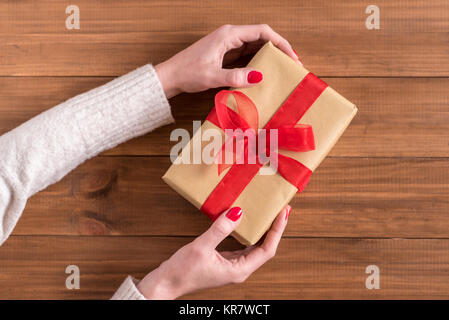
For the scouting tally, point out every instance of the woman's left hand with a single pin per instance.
(200, 66)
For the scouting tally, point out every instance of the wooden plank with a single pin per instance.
(397, 117)
(387, 178)
(330, 37)
(159, 15)
(347, 197)
(34, 268)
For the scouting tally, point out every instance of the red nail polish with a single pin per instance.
(234, 213)
(255, 77)
(289, 210)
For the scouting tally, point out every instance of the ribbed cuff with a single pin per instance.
(127, 107)
(128, 291)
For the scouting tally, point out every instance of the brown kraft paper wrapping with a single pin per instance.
(266, 195)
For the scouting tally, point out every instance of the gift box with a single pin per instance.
(289, 96)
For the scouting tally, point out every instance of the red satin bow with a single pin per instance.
(290, 136)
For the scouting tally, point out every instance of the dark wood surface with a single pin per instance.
(381, 197)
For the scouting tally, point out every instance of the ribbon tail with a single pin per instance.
(294, 172)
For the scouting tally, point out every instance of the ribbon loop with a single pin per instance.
(297, 138)
(246, 116)
(291, 136)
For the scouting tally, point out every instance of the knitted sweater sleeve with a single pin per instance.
(44, 149)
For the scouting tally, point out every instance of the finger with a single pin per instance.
(261, 254)
(221, 228)
(250, 33)
(238, 77)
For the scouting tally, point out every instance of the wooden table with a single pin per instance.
(380, 198)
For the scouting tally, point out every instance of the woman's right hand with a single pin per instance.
(198, 265)
(200, 66)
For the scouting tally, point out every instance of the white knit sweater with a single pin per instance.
(44, 149)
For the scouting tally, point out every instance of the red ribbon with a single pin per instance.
(290, 137)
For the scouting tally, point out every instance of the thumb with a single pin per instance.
(239, 77)
(221, 228)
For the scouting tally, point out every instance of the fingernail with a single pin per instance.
(234, 213)
(297, 56)
(289, 209)
(255, 77)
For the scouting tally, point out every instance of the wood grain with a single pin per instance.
(140, 15)
(347, 197)
(34, 268)
(397, 117)
(331, 37)
(380, 198)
